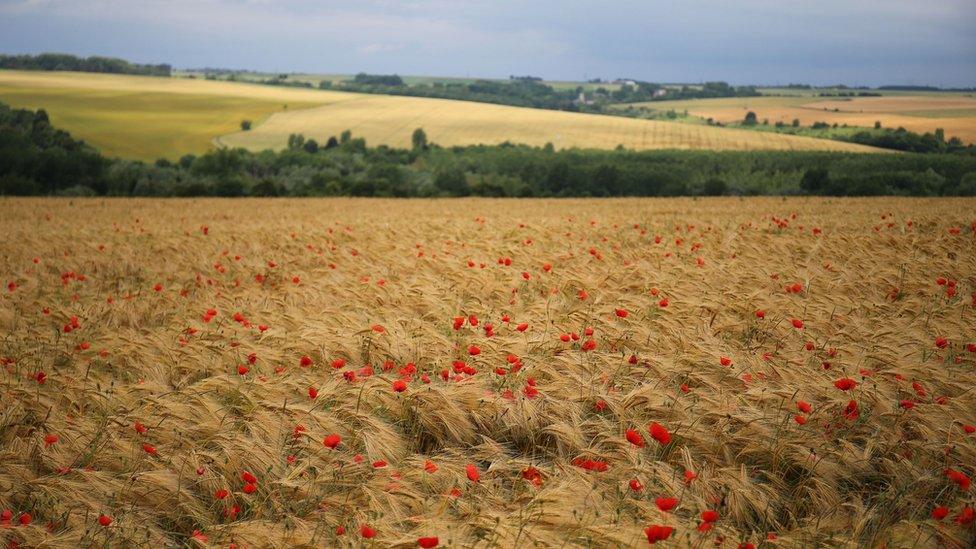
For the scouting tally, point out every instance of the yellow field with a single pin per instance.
(147, 118)
(389, 120)
(281, 373)
(955, 113)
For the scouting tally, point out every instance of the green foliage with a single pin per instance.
(65, 62)
(419, 139)
(38, 159)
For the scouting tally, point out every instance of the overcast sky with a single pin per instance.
(863, 42)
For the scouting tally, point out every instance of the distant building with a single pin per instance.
(660, 92)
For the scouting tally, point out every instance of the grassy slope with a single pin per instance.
(147, 118)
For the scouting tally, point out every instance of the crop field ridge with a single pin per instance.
(477, 373)
(147, 118)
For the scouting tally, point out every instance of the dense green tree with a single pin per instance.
(419, 139)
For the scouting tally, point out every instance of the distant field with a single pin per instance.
(954, 112)
(390, 121)
(148, 118)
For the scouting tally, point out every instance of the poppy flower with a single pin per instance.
(690, 476)
(367, 532)
(635, 438)
(659, 433)
(50, 439)
(246, 476)
(313, 393)
(845, 384)
(760, 314)
(591, 464)
(804, 406)
(941, 342)
(399, 386)
(428, 542)
(221, 493)
(25, 519)
(474, 350)
(104, 520)
(657, 533)
(800, 420)
(249, 488)
(709, 515)
(966, 516)
(332, 441)
(959, 478)
(725, 361)
(969, 429)
(430, 466)
(149, 449)
(636, 485)
(621, 313)
(522, 327)
(666, 504)
(797, 323)
(472, 472)
(851, 411)
(940, 512)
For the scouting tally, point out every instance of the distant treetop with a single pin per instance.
(66, 62)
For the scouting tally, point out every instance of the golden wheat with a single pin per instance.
(156, 351)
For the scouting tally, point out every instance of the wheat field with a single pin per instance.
(955, 113)
(390, 120)
(481, 373)
(146, 118)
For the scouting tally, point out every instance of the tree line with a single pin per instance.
(38, 159)
(65, 62)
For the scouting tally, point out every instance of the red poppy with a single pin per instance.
(845, 384)
(666, 504)
(804, 406)
(332, 441)
(367, 532)
(659, 433)
(635, 438)
(472, 472)
(657, 533)
(940, 512)
(428, 542)
(636, 485)
(399, 386)
(797, 323)
(104, 520)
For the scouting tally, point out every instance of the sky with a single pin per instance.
(821, 42)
